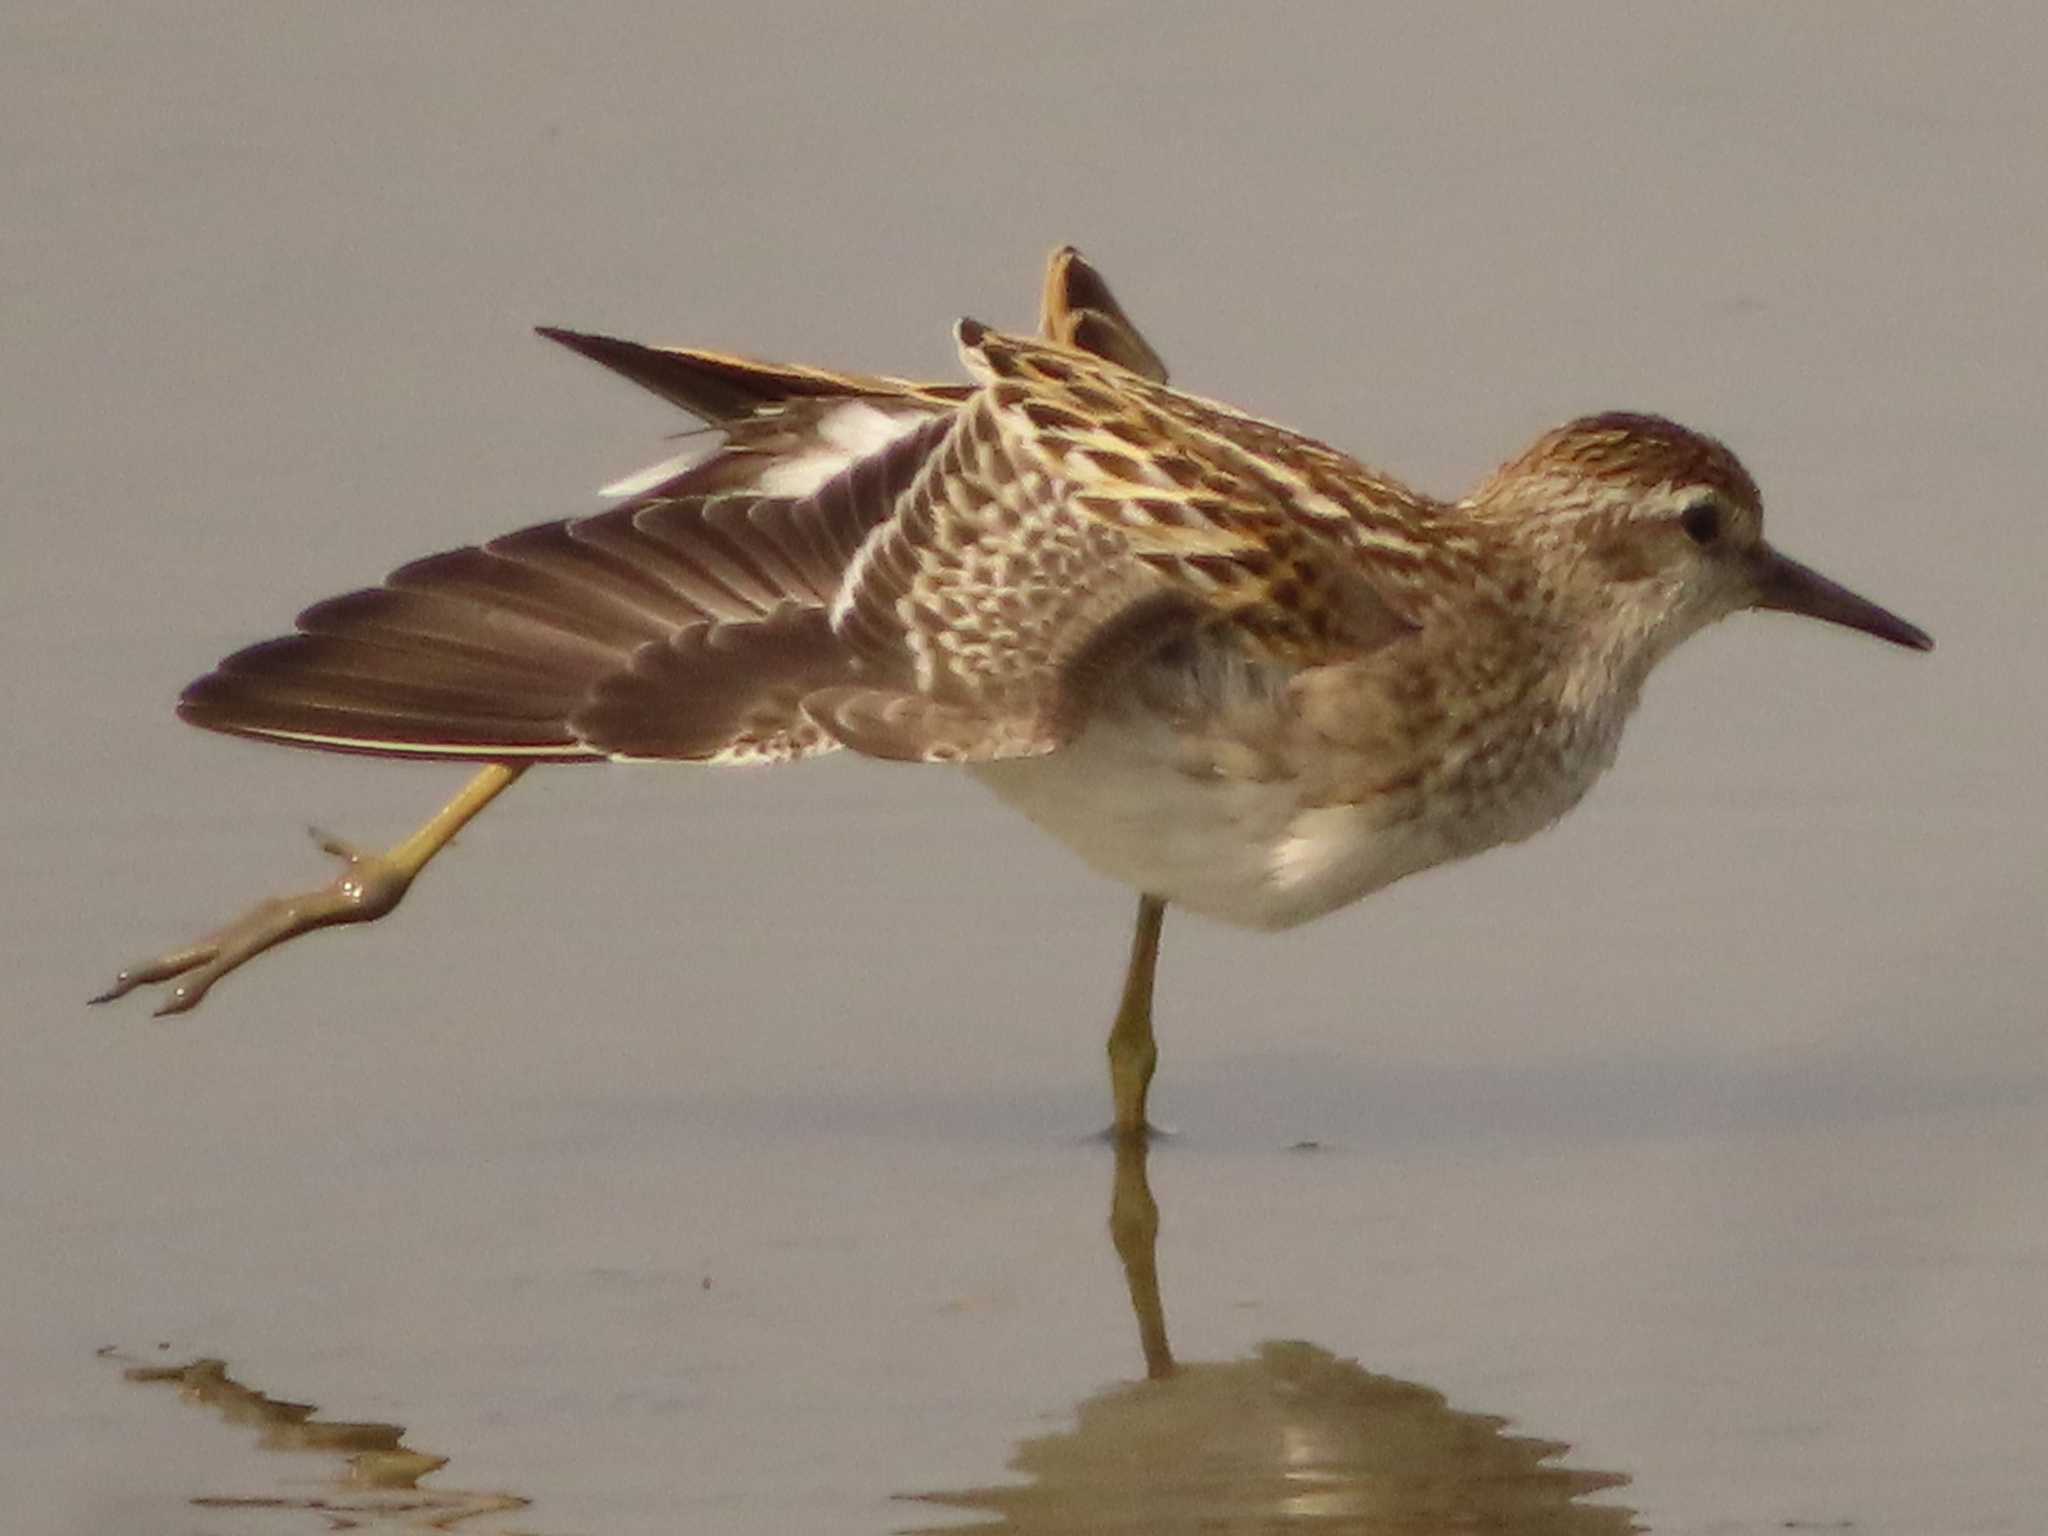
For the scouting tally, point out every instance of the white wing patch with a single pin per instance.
(845, 434)
(629, 486)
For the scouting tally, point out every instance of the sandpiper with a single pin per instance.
(1224, 663)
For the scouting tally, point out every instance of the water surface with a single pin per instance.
(712, 1152)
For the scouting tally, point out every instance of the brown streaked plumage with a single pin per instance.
(1227, 664)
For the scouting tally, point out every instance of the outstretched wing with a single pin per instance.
(1075, 516)
(689, 622)
(673, 626)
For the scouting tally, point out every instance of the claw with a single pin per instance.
(340, 847)
(367, 886)
(125, 981)
(163, 967)
(183, 999)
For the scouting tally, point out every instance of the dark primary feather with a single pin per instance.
(500, 649)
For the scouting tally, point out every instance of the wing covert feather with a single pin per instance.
(1075, 517)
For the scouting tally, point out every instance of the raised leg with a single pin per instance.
(1132, 1051)
(369, 885)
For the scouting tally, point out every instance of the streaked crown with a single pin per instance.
(1643, 531)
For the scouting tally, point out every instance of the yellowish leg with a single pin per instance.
(1134, 1229)
(1132, 1051)
(369, 885)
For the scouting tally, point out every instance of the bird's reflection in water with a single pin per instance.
(378, 1486)
(1291, 1437)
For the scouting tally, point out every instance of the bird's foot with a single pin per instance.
(368, 886)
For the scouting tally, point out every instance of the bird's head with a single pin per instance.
(1643, 532)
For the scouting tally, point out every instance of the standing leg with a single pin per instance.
(1132, 1051)
(369, 885)
(1134, 1230)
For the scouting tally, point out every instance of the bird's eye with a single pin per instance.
(1702, 522)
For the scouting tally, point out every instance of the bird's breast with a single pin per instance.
(1266, 823)
(1217, 827)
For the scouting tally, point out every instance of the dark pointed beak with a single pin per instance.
(1789, 587)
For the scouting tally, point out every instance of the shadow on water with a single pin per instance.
(1291, 1437)
(377, 1488)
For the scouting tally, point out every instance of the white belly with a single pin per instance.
(1242, 850)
